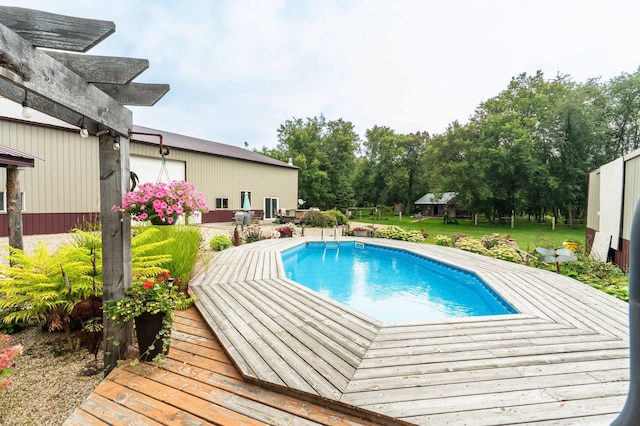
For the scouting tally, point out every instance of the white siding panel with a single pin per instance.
(631, 194)
(593, 201)
(611, 193)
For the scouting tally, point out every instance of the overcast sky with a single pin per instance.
(238, 69)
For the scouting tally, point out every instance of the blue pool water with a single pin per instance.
(391, 285)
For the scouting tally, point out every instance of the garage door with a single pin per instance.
(148, 169)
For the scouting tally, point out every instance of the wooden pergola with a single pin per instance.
(90, 90)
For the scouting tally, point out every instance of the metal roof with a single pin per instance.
(13, 157)
(12, 111)
(189, 143)
(431, 198)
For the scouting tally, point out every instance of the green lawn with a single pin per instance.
(528, 234)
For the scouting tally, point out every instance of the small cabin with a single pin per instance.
(433, 204)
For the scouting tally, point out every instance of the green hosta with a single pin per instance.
(443, 240)
(472, 245)
(504, 252)
(219, 242)
(392, 233)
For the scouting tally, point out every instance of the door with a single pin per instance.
(270, 208)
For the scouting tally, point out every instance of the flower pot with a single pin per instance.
(148, 327)
(285, 235)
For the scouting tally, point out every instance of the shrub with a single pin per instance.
(320, 219)
(603, 276)
(443, 240)
(455, 237)
(392, 232)
(341, 218)
(252, 234)
(220, 242)
(490, 241)
(416, 237)
(470, 244)
(505, 252)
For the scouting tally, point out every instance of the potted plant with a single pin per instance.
(361, 232)
(163, 203)
(151, 304)
(287, 230)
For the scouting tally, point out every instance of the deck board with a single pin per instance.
(198, 385)
(567, 344)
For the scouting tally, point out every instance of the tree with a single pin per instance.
(324, 151)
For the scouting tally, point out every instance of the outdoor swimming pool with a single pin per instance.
(391, 285)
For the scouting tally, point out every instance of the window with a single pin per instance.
(222, 203)
(3, 201)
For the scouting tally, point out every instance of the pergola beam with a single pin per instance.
(34, 70)
(53, 31)
(101, 69)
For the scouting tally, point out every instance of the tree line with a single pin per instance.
(527, 150)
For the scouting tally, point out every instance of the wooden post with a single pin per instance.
(553, 223)
(14, 208)
(116, 245)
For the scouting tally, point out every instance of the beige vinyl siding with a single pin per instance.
(225, 177)
(631, 193)
(66, 176)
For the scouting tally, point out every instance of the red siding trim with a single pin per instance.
(59, 223)
(622, 255)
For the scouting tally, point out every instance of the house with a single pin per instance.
(614, 194)
(438, 204)
(62, 190)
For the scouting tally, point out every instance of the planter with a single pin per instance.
(285, 235)
(362, 233)
(148, 327)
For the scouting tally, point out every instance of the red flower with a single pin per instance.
(147, 285)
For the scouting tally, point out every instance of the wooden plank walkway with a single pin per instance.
(563, 359)
(198, 385)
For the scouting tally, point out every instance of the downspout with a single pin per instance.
(631, 412)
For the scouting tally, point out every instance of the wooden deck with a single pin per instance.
(283, 354)
(197, 385)
(563, 359)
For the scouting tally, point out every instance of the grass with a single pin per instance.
(528, 234)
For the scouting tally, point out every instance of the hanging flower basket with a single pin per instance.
(163, 203)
